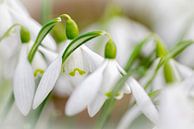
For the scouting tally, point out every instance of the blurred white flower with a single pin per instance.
(79, 64)
(95, 89)
(126, 34)
(180, 72)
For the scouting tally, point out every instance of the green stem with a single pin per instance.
(46, 10)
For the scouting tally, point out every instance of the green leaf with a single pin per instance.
(136, 52)
(41, 35)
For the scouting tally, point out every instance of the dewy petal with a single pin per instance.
(143, 100)
(23, 83)
(34, 27)
(92, 59)
(85, 93)
(48, 81)
(49, 55)
(129, 117)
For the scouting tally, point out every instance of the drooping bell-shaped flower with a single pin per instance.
(80, 63)
(95, 89)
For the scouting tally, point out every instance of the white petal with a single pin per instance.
(6, 20)
(143, 100)
(96, 104)
(85, 93)
(23, 83)
(92, 59)
(48, 81)
(49, 55)
(39, 62)
(17, 6)
(63, 86)
(129, 117)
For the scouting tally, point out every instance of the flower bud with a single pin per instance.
(72, 30)
(110, 50)
(24, 35)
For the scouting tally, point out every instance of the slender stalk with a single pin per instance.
(46, 10)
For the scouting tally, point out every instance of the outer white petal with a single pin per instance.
(23, 83)
(49, 55)
(96, 104)
(92, 59)
(34, 28)
(129, 117)
(85, 93)
(48, 81)
(143, 100)
(63, 87)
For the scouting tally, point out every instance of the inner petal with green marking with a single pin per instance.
(80, 71)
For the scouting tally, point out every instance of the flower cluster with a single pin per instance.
(126, 63)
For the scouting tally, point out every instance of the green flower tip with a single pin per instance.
(110, 49)
(24, 34)
(160, 49)
(72, 30)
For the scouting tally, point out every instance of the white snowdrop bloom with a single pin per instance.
(179, 73)
(94, 90)
(126, 34)
(25, 73)
(97, 87)
(176, 108)
(13, 12)
(25, 76)
(79, 64)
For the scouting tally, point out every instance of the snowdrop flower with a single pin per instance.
(178, 71)
(25, 73)
(10, 15)
(96, 88)
(79, 64)
(10, 45)
(176, 114)
(126, 34)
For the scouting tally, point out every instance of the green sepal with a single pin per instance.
(24, 34)
(72, 30)
(110, 50)
(169, 73)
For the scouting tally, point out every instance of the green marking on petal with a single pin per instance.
(80, 71)
(38, 71)
(110, 94)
